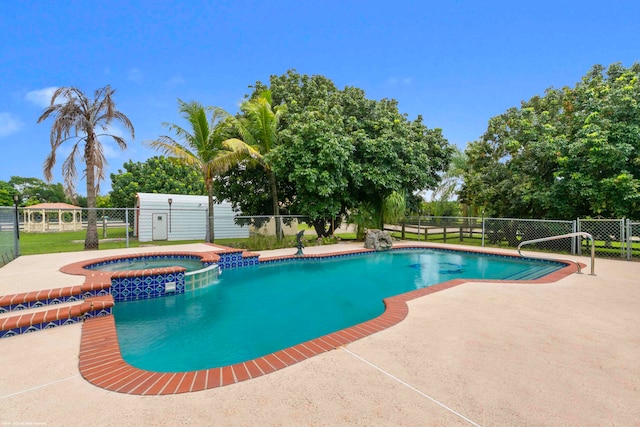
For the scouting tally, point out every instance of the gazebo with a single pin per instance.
(45, 217)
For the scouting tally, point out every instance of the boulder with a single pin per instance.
(378, 240)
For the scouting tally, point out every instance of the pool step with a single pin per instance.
(33, 311)
(533, 273)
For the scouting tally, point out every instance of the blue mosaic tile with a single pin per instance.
(145, 287)
(10, 333)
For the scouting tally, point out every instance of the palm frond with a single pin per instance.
(48, 165)
(170, 147)
(99, 161)
(243, 149)
(69, 171)
(77, 116)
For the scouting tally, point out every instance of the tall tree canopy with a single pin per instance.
(205, 145)
(339, 150)
(84, 121)
(31, 191)
(258, 128)
(157, 174)
(574, 152)
(7, 192)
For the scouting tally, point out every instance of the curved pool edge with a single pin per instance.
(101, 362)
(81, 268)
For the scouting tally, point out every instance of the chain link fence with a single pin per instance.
(495, 232)
(617, 238)
(608, 235)
(510, 232)
(62, 230)
(58, 230)
(632, 235)
(9, 244)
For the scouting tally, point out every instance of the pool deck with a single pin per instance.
(485, 353)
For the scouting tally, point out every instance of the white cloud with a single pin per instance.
(176, 80)
(9, 124)
(41, 97)
(110, 151)
(135, 75)
(399, 81)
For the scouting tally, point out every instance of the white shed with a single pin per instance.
(182, 217)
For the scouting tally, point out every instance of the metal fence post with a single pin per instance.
(627, 237)
(126, 226)
(483, 228)
(623, 250)
(574, 241)
(16, 239)
(580, 238)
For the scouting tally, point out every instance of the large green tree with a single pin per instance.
(205, 146)
(6, 194)
(34, 190)
(84, 122)
(339, 151)
(157, 174)
(574, 152)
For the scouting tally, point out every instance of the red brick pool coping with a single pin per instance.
(101, 362)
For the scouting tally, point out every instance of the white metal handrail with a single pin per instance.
(566, 236)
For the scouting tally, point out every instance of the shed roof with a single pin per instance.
(175, 198)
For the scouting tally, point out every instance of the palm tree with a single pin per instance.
(258, 128)
(80, 118)
(450, 181)
(206, 147)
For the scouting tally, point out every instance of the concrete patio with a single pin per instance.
(565, 353)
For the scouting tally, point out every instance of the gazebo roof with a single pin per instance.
(52, 206)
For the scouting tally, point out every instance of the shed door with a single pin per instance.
(159, 226)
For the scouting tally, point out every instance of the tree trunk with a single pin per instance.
(91, 239)
(320, 225)
(276, 207)
(211, 238)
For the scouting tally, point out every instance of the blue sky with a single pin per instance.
(457, 63)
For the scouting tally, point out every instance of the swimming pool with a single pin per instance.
(259, 310)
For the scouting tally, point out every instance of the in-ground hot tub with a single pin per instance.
(156, 275)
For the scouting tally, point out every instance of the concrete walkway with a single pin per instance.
(566, 353)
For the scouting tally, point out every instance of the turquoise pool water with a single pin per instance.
(142, 264)
(255, 311)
